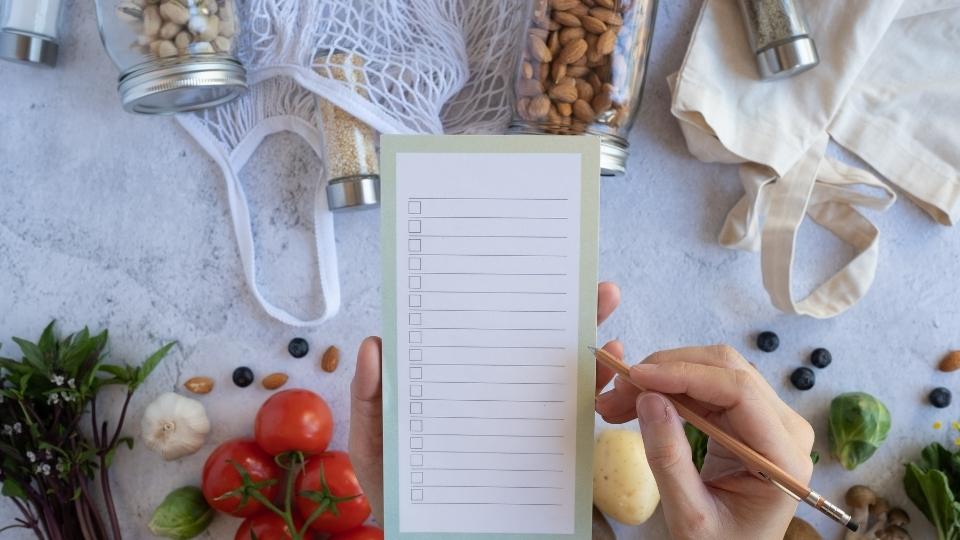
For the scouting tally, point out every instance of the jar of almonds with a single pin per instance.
(582, 70)
(173, 55)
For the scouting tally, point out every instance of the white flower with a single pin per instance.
(43, 469)
(7, 430)
(66, 397)
(48, 454)
(53, 398)
(17, 428)
(31, 456)
(57, 380)
(72, 383)
(62, 466)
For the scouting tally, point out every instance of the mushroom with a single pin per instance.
(801, 530)
(893, 532)
(878, 514)
(860, 498)
(898, 517)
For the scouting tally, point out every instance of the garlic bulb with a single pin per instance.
(174, 425)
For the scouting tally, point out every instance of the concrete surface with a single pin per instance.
(120, 221)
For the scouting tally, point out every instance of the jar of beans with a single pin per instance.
(173, 55)
(582, 70)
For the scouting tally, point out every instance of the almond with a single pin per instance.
(593, 25)
(527, 70)
(553, 43)
(609, 4)
(330, 359)
(584, 90)
(564, 93)
(566, 19)
(601, 102)
(570, 33)
(950, 362)
(564, 109)
(606, 42)
(544, 74)
(577, 71)
(522, 105)
(564, 5)
(579, 10)
(553, 116)
(583, 111)
(557, 71)
(541, 33)
(274, 381)
(606, 15)
(539, 49)
(529, 87)
(539, 107)
(199, 385)
(572, 51)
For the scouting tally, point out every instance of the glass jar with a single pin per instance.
(582, 70)
(173, 55)
(30, 31)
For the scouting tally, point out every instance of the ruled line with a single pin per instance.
(487, 469)
(490, 452)
(489, 486)
(494, 292)
(559, 256)
(485, 199)
(487, 364)
(486, 503)
(501, 310)
(489, 400)
(504, 435)
(491, 329)
(486, 274)
(495, 418)
(490, 347)
(420, 216)
(523, 236)
(487, 382)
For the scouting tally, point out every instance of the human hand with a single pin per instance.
(724, 500)
(366, 408)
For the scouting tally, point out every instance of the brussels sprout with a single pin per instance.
(182, 515)
(859, 424)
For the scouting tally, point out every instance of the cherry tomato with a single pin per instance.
(264, 526)
(330, 482)
(361, 533)
(294, 419)
(220, 476)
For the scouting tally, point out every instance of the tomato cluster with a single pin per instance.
(284, 481)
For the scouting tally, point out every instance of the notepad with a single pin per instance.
(490, 271)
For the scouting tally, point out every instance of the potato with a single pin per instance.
(623, 485)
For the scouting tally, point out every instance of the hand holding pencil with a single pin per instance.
(724, 500)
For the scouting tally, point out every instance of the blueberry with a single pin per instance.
(298, 347)
(768, 341)
(821, 358)
(803, 378)
(939, 397)
(243, 377)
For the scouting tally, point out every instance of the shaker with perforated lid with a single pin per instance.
(30, 31)
(779, 37)
(173, 55)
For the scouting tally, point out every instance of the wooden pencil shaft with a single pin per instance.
(748, 455)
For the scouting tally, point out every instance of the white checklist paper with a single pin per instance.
(488, 262)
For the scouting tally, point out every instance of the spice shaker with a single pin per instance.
(350, 154)
(779, 37)
(582, 70)
(173, 55)
(30, 31)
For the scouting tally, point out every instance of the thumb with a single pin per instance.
(687, 505)
(366, 424)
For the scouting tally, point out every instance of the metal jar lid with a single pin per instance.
(178, 85)
(613, 149)
(787, 59)
(354, 192)
(28, 49)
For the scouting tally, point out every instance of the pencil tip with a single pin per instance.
(852, 525)
(592, 349)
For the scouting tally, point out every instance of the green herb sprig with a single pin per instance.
(48, 466)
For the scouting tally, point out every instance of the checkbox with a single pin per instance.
(415, 282)
(414, 207)
(416, 337)
(416, 443)
(416, 373)
(416, 390)
(416, 495)
(416, 355)
(416, 478)
(416, 426)
(414, 245)
(413, 226)
(415, 263)
(416, 407)
(416, 460)
(416, 319)
(414, 300)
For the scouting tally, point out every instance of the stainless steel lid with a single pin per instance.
(28, 49)
(177, 85)
(788, 59)
(613, 149)
(354, 192)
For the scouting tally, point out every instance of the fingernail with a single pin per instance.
(605, 397)
(651, 408)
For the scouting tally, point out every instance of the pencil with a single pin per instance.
(750, 457)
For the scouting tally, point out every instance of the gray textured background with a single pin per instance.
(121, 221)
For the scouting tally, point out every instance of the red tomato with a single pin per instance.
(330, 479)
(220, 476)
(264, 526)
(362, 533)
(294, 419)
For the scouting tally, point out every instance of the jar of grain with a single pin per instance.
(173, 55)
(582, 69)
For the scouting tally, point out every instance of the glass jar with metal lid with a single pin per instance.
(582, 70)
(30, 31)
(173, 55)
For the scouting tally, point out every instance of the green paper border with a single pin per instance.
(589, 149)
